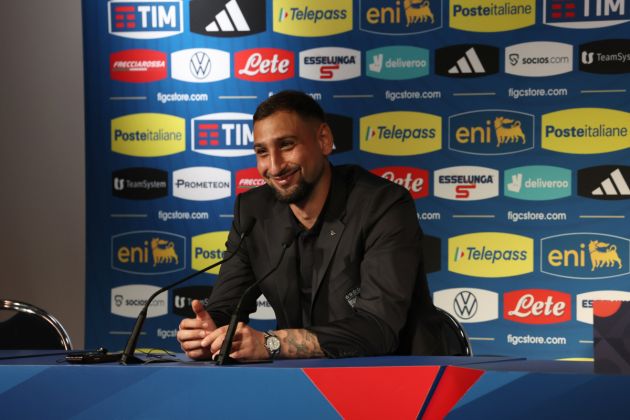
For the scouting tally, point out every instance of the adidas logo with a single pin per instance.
(234, 18)
(615, 184)
(229, 19)
(469, 63)
(467, 60)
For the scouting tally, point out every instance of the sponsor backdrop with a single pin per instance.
(508, 121)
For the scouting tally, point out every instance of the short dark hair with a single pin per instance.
(290, 100)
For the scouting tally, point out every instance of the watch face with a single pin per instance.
(273, 343)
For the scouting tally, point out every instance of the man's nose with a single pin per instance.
(276, 162)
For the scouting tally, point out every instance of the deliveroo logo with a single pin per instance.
(537, 183)
(397, 63)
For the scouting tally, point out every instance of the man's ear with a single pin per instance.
(325, 139)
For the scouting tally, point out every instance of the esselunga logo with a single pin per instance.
(537, 183)
(466, 183)
(402, 133)
(491, 132)
(202, 183)
(415, 180)
(223, 134)
(397, 62)
(468, 304)
(129, 300)
(585, 14)
(490, 254)
(330, 64)
(584, 131)
(207, 249)
(584, 302)
(148, 252)
(491, 16)
(585, 255)
(312, 19)
(148, 135)
(537, 306)
(539, 59)
(400, 17)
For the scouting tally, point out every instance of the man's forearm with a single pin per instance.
(298, 344)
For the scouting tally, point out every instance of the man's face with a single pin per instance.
(291, 154)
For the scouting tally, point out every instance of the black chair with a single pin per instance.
(453, 334)
(24, 326)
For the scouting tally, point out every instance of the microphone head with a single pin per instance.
(247, 226)
(287, 237)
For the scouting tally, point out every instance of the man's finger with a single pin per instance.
(187, 335)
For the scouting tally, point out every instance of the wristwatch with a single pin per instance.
(272, 344)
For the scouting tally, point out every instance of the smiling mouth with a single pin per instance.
(284, 178)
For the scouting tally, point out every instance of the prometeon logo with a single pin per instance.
(145, 19)
(227, 18)
(148, 252)
(128, 301)
(466, 183)
(207, 249)
(400, 17)
(537, 306)
(585, 14)
(469, 60)
(200, 65)
(606, 182)
(264, 65)
(140, 183)
(585, 255)
(330, 64)
(224, 134)
(584, 131)
(488, 16)
(491, 132)
(539, 59)
(402, 133)
(469, 305)
(608, 56)
(415, 180)
(490, 254)
(202, 183)
(137, 66)
(308, 18)
(148, 135)
(397, 62)
(537, 183)
(247, 179)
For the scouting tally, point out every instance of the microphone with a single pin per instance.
(223, 358)
(127, 356)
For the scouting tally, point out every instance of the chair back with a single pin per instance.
(30, 327)
(454, 336)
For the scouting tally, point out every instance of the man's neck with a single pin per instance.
(308, 211)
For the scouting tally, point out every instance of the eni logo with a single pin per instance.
(491, 16)
(396, 17)
(148, 252)
(207, 249)
(163, 252)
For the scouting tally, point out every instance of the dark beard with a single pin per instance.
(301, 193)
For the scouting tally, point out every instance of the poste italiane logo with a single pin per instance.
(400, 17)
(537, 182)
(312, 18)
(491, 16)
(148, 252)
(148, 135)
(403, 133)
(468, 305)
(584, 302)
(207, 249)
(490, 254)
(145, 19)
(585, 255)
(586, 131)
(585, 14)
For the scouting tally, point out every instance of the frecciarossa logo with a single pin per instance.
(264, 64)
(413, 179)
(537, 306)
(137, 66)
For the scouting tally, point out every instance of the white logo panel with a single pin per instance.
(264, 310)
(200, 65)
(330, 64)
(468, 305)
(466, 183)
(584, 302)
(202, 183)
(129, 300)
(539, 59)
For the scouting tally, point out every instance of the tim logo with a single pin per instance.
(491, 132)
(609, 182)
(227, 18)
(144, 19)
(247, 179)
(467, 60)
(585, 14)
(264, 65)
(415, 180)
(224, 134)
(585, 256)
(137, 66)
(400, 17)
(537, 306)
(148, 252)
(468, 305)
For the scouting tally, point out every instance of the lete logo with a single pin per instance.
(413, 179)
(264, 64)
(537, 306)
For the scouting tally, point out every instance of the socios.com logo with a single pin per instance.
(224, 134)
(129, 300)
(148, 252)
(585, 14)
(400, 17)
(586, 131)
(490, 254)
(537, 183)
(491, 132)
(207, 249)
(145, 19)
(466, 183)
(148, 135)
(397, 62)
(468, 304)
(485, 16)
(539, 59)
(585, 255)
(402, 133)
(584, 302)
(311, 19)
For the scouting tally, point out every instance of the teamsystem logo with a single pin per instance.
(308, 18)
(200, 65)
(397, 62)
(537, 183)
(585, 14)
(227, 18)
(467, 60)
(469, 305)
(148, 252)
(539, 59)
(415, 180)
(487, 16)
(606, 182)
(400, 17)
(585, 255)
(466, 183)
(537, 306)
(140, 183)
(491, 132)
(609, 56)
(183, 297)
(137, 66)
(330, 64)
(224, 134)
(145, 19)
(128, 301)
(201, 183)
